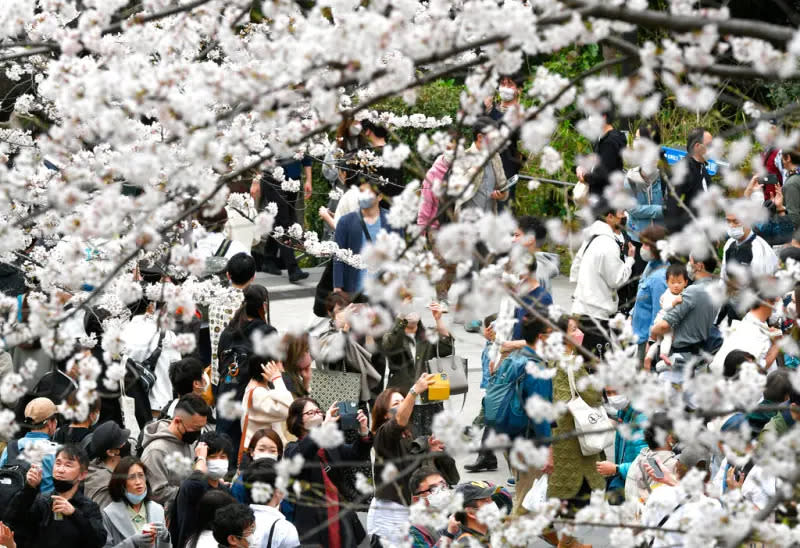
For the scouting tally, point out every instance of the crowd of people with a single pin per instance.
(160, 460)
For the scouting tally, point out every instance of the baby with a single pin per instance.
(677, 280)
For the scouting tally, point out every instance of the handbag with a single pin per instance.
(329, 386)
(449, 365)
(595, 430)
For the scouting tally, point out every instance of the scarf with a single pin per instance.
(332, 503)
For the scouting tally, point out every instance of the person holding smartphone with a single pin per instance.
(65, 518)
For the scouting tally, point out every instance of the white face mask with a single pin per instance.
(507, 93)
(757, 196)
(618, 402)
(735, 232)
(355, 129)
(690, 270)
(265, 455)
(314, 421)
(646, 254)
(217, 468)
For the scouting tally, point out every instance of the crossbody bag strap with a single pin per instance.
(364, 227)
(223, 248)
(571, 378)
(244, 425)
(664, 520)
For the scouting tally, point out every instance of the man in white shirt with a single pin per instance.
(752, 335)
(272, 527)
(601, 266)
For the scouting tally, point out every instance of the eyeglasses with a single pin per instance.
(312, 413)
(139, 476)
(431, 490)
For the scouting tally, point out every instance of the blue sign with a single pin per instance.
(675, 155)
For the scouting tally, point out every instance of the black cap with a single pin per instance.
(475, 490)
(107, 435)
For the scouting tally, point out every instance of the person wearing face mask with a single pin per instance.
(626, 447)
(162, 438)
(427, 484)
(234, 526)
(660, 443)
(265, 444)
(77, 430)
(353, 232)
(697, 180)
(574, 474)
(40, 418)
(393, 178)
(132, 520)
(317, 511)
(509, 91)
(599, 269)
(652, 284)
(475, 495)
(183, 513)
(487, 188)
(187, 377)
(65, 518)
(272, 528)
(778, 228)
(107, 445)
(388, 512)
(753, 334)
(747, 249)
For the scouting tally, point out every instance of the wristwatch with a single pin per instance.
(413, 391)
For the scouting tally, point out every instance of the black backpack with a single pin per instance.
(12, 475)
(233, 370)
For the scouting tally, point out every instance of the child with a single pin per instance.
(677, 280)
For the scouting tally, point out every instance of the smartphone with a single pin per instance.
(657, 472)
(347, 415)
(769, 179)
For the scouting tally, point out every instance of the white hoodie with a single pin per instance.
(599, 272)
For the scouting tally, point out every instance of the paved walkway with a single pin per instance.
(291, 306)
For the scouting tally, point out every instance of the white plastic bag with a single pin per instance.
(537, 496)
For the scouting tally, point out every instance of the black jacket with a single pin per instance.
(310, 511)
(609, 148)
(675, 217)
(405, 368)
(32, 520)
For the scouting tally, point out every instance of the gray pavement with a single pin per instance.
(289, 311)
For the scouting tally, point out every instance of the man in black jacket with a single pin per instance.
(697, 180)
(65, 518)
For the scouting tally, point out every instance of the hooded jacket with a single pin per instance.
(649, 208)
(599, 271)
(159, 443)
(95, 486)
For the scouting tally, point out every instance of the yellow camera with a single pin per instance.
(440, 389)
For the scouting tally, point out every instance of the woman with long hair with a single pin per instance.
(395, 445)
(317, 507)
(235, 349)
(266, 400)
(297, 365)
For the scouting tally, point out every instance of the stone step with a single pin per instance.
(280, 288)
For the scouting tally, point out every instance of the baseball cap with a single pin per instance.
(107, 435)
(693, 454)
(475, 490)
(38, 411)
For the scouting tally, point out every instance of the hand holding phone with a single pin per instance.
(657, 472)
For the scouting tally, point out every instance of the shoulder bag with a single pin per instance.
(587, 420)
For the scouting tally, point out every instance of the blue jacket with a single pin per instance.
(530, 386)
(47, 461)
(350, 235)
(649, 203)
(626, 450)
(485, 364)
(652, 285)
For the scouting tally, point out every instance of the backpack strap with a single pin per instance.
(223, 248)
(272, 532)
(12, 451)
